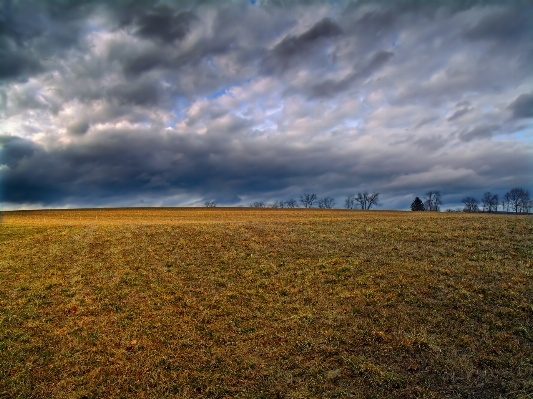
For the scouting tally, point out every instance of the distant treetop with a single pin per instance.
(417, 205)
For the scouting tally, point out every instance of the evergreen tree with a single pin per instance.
(418, 205)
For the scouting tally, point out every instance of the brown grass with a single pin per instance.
(155, 303)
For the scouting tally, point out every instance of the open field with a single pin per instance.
(155, 303)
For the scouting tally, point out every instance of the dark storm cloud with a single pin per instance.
(371, 22)
(145, 62)
(21, 181)
(34, 31)
(293, 49)
(164, 24)
(509, 24)
(293, 45)
(231, 36)
(522, 106)
(152, 164)
(15, 63)
(147, 162)
(14, 150)
(15, 31)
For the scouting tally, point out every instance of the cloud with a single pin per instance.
(431, 143)
(78, 127)
(508, 24)
(292, 50)
(164, 24)
(331, 87)
(459, 113)
(15, 150)
(425, 121)
(144, 93)
(15, 63)
(479, 132)
(106, 103)
(436, 177)
(522, 106)
(33, 32)
(291, 46)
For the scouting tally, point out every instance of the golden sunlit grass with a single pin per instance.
(154, 303)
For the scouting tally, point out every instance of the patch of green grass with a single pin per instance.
(156, 303)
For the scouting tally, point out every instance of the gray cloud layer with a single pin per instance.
(176, 104)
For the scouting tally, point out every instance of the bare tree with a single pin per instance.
(360, 200)
(518, 200)
(528, 206)
(258, 204)
(506, 200)
(471, 204)
(373, 200)
(490, 202)
(291, 203)
(485, 201)
(277, 204)
(433, 201)
(327, 203)
(350, 203)
(210, 204)
(308, 200)
(494, 203)
(525, 202)
(366, 201)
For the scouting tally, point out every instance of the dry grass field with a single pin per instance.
(223, 303)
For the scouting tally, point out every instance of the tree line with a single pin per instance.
(432, 202)
(363, 201)
(306, 200)
(516, 200)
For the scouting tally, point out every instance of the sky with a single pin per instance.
(175, 103)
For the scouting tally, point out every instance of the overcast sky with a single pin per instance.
(175, 104)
